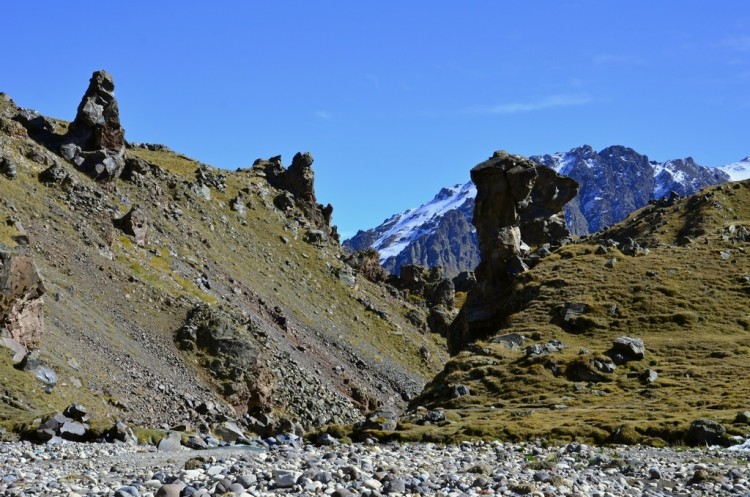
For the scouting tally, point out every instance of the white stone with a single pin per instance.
(372, 484)
(284, 478)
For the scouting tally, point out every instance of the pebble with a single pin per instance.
(469, 469)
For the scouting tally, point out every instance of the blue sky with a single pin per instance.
(395, 99)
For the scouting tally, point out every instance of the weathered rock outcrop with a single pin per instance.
(134, 223)
(518, 207)
(232, 357)
(21, 302)
(298, 179)
(95, 141)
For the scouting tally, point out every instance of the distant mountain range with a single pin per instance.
(613, 183)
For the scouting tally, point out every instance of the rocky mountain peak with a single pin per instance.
(584, 151)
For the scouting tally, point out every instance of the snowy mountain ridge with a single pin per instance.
(401, 229)
(613, 182)
(737, 170)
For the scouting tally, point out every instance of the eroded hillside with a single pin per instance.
(177, 293)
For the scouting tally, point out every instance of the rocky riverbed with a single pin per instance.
(482, 468)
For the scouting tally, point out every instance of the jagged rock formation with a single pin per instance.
(515, 197)
(21, 302)
(613, 182)
(298, 180)
(95, 141)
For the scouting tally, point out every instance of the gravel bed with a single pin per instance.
(481, 468)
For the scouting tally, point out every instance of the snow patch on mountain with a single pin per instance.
(404, 228)
(738, 171)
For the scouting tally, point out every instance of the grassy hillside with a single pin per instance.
(113, 307)
(687, 296)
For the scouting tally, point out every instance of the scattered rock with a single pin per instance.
(134, 223)
(649, 376)
(705, 431)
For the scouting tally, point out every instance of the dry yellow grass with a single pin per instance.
(688, 300)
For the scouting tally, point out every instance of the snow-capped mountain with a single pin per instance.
(443, 224)
(738, 170)
(613, 183)
(402, 228)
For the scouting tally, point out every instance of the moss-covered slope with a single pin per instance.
(675, 276)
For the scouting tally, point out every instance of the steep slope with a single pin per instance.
(629, 336)
(178, 293)
(614, 182)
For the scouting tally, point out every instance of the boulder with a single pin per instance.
(95, 141)
(626, 349)
(170, 443)
(512, 341)
(21, 302)
(440, 319)
(382, 419)
(238, 205)
(55, 174)
(705, 431)
(7, 167)
(134, 223)
(76, 412)
(229, 431)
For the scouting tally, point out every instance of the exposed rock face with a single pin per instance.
(96, 141)
(449, 246)
(21, 302)
(447, 239)
(514, 197)
(299, 181)
(541, 220)
(246, 382)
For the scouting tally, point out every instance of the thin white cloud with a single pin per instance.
(548, 102)
(323, 115)
(738, 43)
